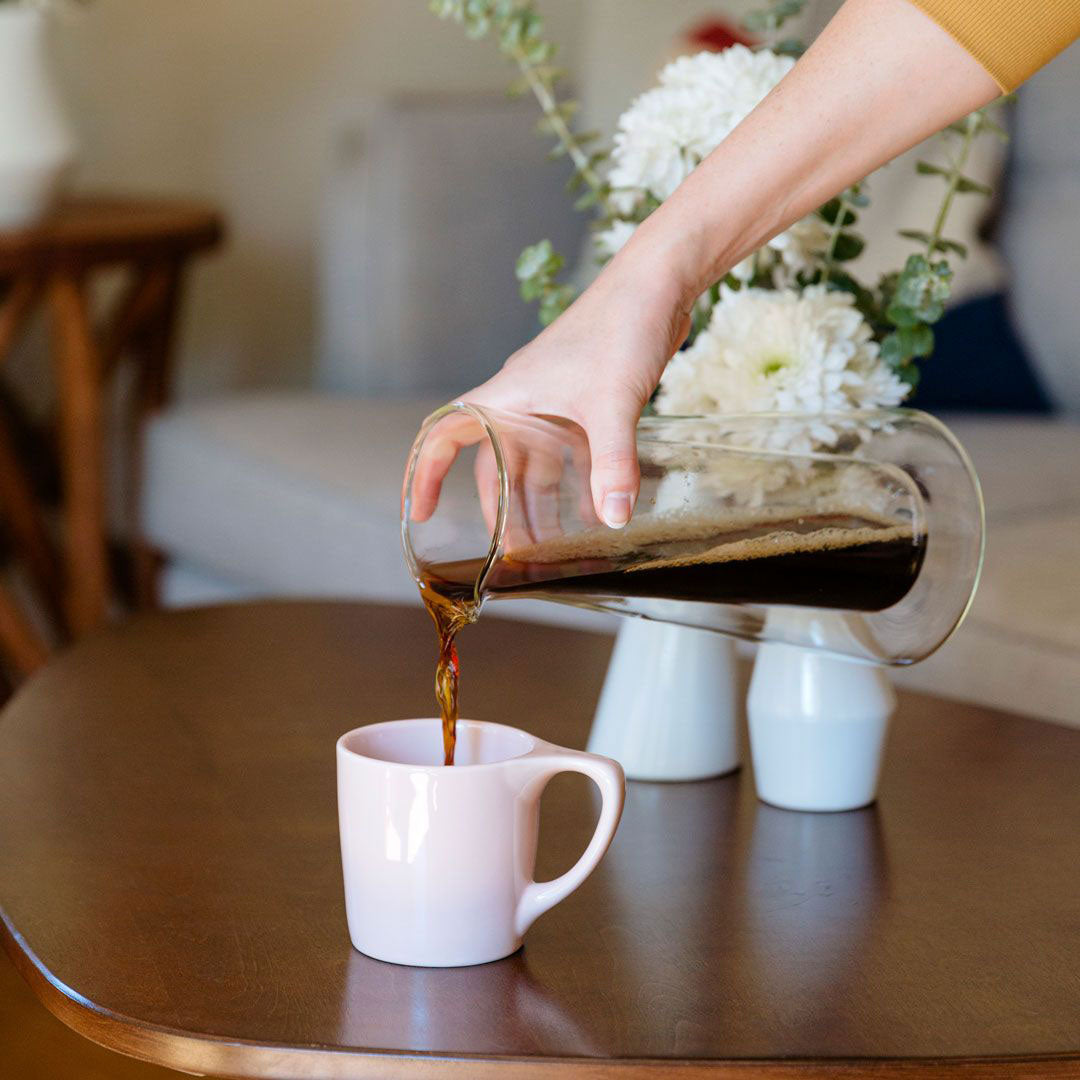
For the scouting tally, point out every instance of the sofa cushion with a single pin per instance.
(1027, 465)
(1019, 648)
(293, 493)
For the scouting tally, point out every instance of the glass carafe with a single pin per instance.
(858, 533)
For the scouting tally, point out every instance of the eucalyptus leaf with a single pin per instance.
(901, 315)
(965, 184)
(539, 51)
(534, 259)
(942, 244)
(910, 374)
(927, 168)
(590, 198)
(923, 288)
(903, 345)
(918, 340)
(848, 246)
(531, 289)
(830, 211)
(477, 27)
(915, 234)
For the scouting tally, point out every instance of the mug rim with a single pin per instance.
(343, 750)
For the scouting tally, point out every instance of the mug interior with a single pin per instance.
(419, 742)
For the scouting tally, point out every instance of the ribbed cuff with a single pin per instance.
(1012, 39)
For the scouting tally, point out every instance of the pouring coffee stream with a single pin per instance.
(880, 534)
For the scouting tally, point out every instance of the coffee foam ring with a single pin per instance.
(649, 532)
(782, 542)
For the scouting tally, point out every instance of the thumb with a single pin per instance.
(615, 477)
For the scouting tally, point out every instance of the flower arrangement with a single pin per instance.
(790, 329)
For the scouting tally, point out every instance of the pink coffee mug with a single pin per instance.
(438, 860)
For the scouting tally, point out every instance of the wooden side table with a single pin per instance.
(54, 263)
(170, 880)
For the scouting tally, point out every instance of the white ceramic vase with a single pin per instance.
(817, 723)
(37, 147)
(670, 705)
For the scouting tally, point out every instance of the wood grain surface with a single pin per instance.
(170, 879)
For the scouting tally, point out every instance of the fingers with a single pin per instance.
(615, 477)
(487, 485)
(437, 456)
(534, 459)
(543, 473)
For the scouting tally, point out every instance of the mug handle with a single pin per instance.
(607, 775)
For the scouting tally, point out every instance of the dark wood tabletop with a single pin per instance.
(170, 879)
(84, 230)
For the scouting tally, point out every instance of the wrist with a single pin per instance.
(692, 240)
(663, 262)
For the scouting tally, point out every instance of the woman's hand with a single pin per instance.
(597, 365)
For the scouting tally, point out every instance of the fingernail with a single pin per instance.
(616, 510)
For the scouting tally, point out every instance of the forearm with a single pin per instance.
(880, 78)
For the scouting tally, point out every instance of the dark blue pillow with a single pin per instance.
(979, 364)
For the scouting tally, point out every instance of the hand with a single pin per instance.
(597, 365)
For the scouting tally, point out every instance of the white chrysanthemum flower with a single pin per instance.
(782, 351)
(614, 238)
(798, 245)
(670, 129)
(700, 99)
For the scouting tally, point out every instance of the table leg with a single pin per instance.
(16, 496)
(79, 387)
(17, 305)
(18, 638)
(154, 353)
(28, 529)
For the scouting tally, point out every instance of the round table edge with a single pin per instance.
(216, 1055)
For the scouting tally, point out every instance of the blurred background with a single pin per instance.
(293, 233)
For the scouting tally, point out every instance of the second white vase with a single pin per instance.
(818, 724)
(670, 705)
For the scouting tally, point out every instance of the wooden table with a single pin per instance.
(170, 882)
(56, 262)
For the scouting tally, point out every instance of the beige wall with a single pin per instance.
(243, 102)
(628, 41)
(247, 103)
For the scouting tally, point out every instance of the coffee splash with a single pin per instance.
(450, 609)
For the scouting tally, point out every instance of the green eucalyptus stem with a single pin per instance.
(835, 232)
(559, 127)
(956, 173)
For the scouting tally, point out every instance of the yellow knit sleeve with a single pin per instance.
(1012, 39)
